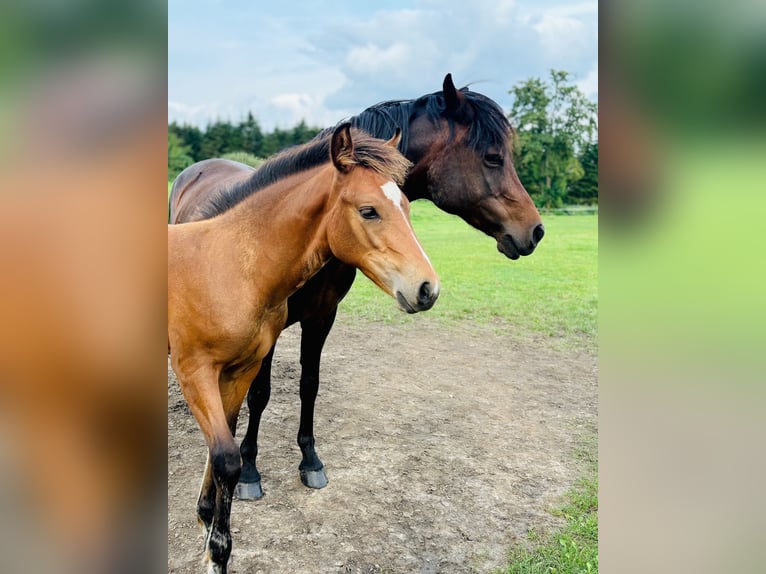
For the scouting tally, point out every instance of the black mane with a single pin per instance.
(488, 125)
(292, 160)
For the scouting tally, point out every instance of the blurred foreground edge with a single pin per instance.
(83, 256)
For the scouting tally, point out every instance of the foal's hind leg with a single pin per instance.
(313, 336)
(249, 485)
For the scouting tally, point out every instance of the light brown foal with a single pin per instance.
(229, 278)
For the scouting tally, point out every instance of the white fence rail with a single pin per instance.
(572, 210)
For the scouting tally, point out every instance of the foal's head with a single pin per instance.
(370, 226)
(460, 143)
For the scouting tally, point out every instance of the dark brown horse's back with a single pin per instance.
(197, 183)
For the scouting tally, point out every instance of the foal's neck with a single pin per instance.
(282, 231)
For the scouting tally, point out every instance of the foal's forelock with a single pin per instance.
(383, 159)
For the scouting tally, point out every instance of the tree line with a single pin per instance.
(555, 144)
(244, 141)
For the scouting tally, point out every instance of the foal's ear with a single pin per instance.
(342, 148)
(395, 139)
(452, 98)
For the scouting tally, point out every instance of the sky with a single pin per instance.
(327, 60)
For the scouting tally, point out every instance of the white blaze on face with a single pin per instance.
(392, 192)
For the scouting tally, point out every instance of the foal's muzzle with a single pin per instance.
(424, 300)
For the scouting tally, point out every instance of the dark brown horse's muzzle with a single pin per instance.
(509, 247)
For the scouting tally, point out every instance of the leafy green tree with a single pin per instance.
(585, 190)
(222, 137)
(554, 122)
(275, 141)
(303, 133)
(178, 156)
(251, 135)
(219, 138)
(190, 136)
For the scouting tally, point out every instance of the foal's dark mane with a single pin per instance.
(369, 152)
(487, 124)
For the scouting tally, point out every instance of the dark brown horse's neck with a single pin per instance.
(421, 152)
(416, 185)
(283, 231)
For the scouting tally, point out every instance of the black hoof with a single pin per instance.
(248, 490)
(314, 478)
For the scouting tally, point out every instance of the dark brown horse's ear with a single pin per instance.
(342, 148)
(395, 139)
(452, 97)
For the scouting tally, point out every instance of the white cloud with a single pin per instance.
(589, 84)
(567, 29)
(181, 108)
(321, 66)
(293, 102)
(371, 59)
(200, 115)
(492, 13)
(288, 109)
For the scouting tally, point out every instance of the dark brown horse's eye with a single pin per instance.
(369, 213)
(493, 160)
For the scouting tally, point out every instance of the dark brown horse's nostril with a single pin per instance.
(537, 234)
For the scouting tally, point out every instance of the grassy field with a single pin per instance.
(552, 293)
(574, 548)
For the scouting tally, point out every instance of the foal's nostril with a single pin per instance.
(425, 294)
(537, 234)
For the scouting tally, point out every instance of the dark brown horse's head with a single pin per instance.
(460, 143)
(463, 159)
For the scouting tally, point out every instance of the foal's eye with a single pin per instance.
(369, 213)
(493, 160)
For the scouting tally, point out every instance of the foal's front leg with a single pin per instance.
(226, 466)
(215, 406)
(313, 336)
(207, 494)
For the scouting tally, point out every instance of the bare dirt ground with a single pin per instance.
(443, 447)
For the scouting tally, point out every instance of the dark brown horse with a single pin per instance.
(229, 278)
(458, 141)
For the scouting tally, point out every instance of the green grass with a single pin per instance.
(685, 284)
(551, 293)
(573, 549)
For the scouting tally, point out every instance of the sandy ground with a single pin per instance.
(442, 448)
